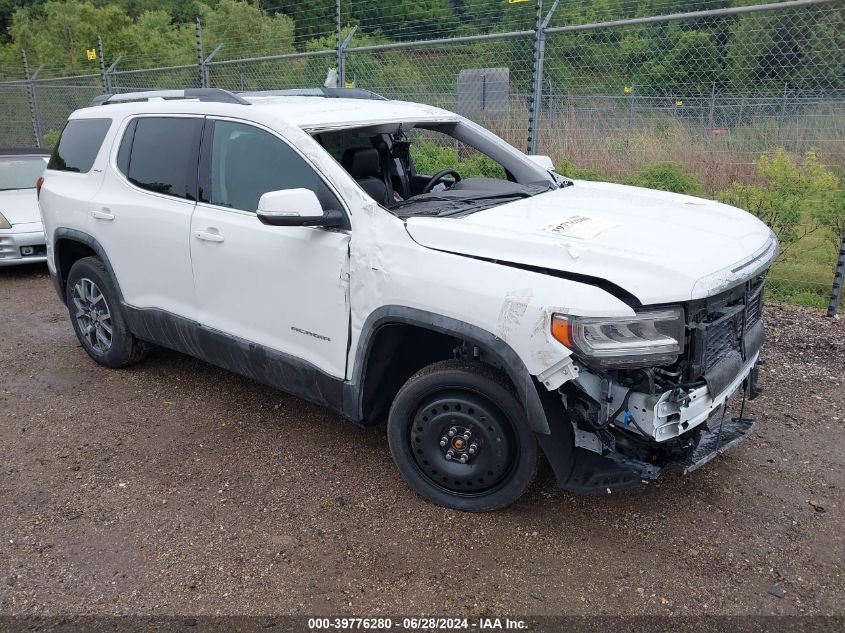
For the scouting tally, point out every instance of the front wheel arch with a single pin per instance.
(505, 357)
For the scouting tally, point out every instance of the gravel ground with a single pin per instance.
(174, 487)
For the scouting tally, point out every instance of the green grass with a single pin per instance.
(804, 274)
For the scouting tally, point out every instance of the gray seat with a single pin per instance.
(363, 165)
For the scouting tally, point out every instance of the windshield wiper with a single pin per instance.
(417, 200)
(473, 200)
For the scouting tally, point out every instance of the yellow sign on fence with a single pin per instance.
(92, 54)
(517, 1)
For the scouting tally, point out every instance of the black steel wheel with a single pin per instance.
(459, 436)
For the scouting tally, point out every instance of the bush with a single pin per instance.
(570, 170)
(793, 198)
(480, 165)
(49, 139)
(430, 158)
(666, 177)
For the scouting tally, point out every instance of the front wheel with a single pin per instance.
(460, 438)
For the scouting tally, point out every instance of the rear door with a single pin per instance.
(285, 288)
(142, 213)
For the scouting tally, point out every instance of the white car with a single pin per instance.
(494, 321)
(21, 231)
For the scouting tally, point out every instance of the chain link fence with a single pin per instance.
(606, 96)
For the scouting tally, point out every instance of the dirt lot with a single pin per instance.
(175, 487)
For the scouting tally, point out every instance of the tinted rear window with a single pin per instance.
(164, 155)
(79, 144)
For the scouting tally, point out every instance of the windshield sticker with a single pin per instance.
(580, 227)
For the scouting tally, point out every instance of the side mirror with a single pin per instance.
(543, 161)
(296, 207)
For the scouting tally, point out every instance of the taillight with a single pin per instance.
(38, 184)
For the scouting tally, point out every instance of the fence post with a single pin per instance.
(110, 73)
(341, 68)
(101, 51)
(341, 54)
(31, 97)
(535, 104)
(782, 115)
(200, 54)
(836, 290)
(206, 73)
(711, 115)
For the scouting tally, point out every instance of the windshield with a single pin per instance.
(20, 172)
(436, 169)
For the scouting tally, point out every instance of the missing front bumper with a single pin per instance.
(660, 417)
(613, 472)
(717, 442)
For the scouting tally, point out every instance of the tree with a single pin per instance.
(246, 31)
(688, 64)
(780, 50)
(155, 41)
(405, 19)
(59, 33)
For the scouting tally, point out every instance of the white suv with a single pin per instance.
(288, 236)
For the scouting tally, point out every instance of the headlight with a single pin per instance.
(4, 223)
(645, 339)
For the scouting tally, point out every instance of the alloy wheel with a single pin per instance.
(92, 315)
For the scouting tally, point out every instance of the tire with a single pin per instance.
(94, 309)
(489, 431)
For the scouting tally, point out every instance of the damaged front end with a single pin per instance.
(631, 421)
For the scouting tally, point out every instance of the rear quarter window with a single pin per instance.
(79, 144)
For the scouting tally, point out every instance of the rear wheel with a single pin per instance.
(460, 438)
(98, 318)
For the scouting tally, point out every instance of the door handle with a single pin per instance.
(208, 237)
(103, 214)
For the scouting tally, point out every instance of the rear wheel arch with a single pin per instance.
(71, 245)
(432, 331)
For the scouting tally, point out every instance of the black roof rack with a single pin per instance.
(328, 93)
(216, 95)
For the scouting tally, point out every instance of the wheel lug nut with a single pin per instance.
(452, 432)
(464, 459)
(466, 436)
(449, 454)
(443, 441)
(472, 448)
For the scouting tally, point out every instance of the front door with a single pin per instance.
(284, 288)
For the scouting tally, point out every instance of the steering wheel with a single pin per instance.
(440, 175)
